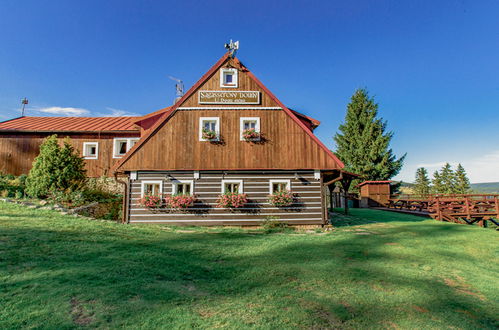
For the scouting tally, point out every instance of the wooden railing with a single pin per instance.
(469, 208)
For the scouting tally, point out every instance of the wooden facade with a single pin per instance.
(374, 193)
(19, 150)
(171, 150)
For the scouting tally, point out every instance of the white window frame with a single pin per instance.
(287, 182)
(128, 145)
(85, 155)
(143, 183)
(176, 182)
(240, 182)
(241, 126)
(234, 72)
(217, 127)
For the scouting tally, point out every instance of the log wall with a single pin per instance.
(307, 211)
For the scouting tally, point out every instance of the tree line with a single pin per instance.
(444, 181)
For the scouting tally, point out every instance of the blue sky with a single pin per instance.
(433, 66)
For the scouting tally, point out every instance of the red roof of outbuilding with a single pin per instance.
(70, 124)
(374, 182)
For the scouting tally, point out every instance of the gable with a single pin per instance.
(173, 144)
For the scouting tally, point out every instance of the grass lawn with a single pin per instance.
(382, 270)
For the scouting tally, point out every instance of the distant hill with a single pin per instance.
(486, 187)
(478, 188)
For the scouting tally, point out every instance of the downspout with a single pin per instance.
(124, 209)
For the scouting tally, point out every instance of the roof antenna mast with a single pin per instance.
(232, 47)
(179, 88)
(24, 101)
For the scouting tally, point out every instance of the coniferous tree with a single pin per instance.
(438, 186)
(462, 183)
(363, 143)
(448, 179)
(422, 183)
(55, 168)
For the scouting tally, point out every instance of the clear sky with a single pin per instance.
(433, 66)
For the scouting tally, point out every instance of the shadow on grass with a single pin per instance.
(368, 216)
(199, 279)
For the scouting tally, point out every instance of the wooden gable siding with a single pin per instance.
(246, 83)
(18, 151)
(176, 145)
(306, 211)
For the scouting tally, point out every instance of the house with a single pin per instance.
(228, 135)
(101, 140)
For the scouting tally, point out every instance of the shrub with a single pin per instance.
(56, 168)
(151, 201)
(11, 186)
(273, 224)
(232, 200)
(180, 201)
(281, 198)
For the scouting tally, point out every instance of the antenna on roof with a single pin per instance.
(24, 101)
(232, 47)
(179, 88)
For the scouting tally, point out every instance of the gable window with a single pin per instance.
(152, 188)
(249, 128)
(228, 77)
(184, 187)
(122, 145)
(279, 185)
(232, 186)
(209, 128)
(90, 150)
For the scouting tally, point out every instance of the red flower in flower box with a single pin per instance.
(151, 201)
(180, 201)
(232, 200)
(209, 134)
(251, 134)
(282, 198)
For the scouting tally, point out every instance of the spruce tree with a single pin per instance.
(363, 143)
(448, 179)
(55, 168)
(438, 186)
(422, 183)
(462, 183)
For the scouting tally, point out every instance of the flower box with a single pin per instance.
(180, 201)
(232, 200)
(251, 135)
(282, 198)
(151, 201)
(209, 134)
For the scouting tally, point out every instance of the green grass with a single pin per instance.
(385, 270)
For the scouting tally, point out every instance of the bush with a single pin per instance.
(273, 224)
(11, 186)
(56, 168)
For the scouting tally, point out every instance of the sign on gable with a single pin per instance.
(226, 97)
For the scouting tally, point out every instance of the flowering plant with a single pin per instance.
(232, 200)
(281, 198)
(151, 201)
(180, 201)
(209, 134)
(251, 134)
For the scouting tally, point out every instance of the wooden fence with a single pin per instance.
(466, 209)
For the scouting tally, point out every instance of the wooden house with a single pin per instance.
(201, 147)
(101, 140)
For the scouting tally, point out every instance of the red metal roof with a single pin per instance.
(374, 182)
(70, 124)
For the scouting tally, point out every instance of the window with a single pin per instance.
(182, 187)
(247, 123)
(209, 128)
(152, 188)
(232, 186)
(122, 145)
(90, 150)
(279, 185)
(228, 77)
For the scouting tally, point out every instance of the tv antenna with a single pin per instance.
(24, 101)
(179, 88)
(232, 47)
